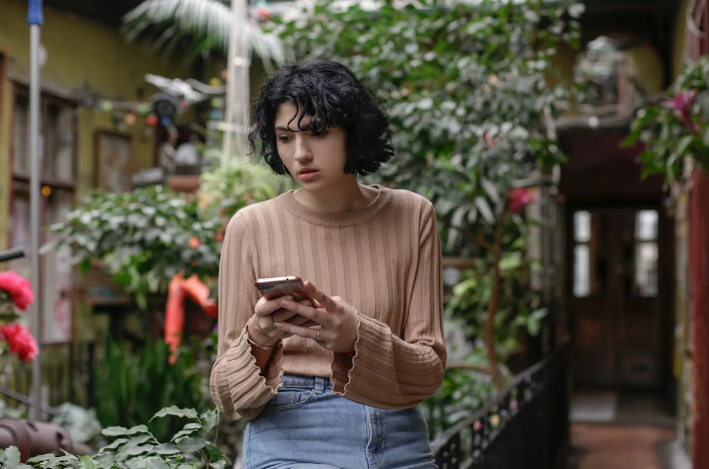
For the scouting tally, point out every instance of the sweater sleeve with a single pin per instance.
(394, 372)
(237, 386)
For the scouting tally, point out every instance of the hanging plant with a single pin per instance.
(676, 128)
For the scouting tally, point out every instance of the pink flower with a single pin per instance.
(19, 289)
(519, 197)
(682, 104)
(20, 341)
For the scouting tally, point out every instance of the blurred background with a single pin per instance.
(565, 146)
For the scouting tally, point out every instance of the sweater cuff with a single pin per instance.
(238, 388)
(349, 374)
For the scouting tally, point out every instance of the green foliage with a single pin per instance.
(467, 90)
(193, 29)
(137, 447)
(224, 191)
(132, 386)
(519, 309)
(142, 238)
(676, 129)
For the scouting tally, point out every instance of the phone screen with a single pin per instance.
(285, 286)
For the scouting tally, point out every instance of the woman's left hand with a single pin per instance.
(337, 320)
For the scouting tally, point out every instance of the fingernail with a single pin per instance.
(278, 325)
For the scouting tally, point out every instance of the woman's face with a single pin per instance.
(316, 162)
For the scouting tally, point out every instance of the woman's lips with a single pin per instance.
(308, 174)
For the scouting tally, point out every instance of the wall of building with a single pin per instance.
(80, 55)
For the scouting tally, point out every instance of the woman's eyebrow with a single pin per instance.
(286, 129)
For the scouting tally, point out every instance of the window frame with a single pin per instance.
(20, 180)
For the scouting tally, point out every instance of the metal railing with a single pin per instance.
(526, 426)
(67, 376)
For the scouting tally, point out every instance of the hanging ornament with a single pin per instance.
(151, 120)
(165, 121)
(106, 106)
(215, 82)
(129, 119)
(263, 14)
(217, 103)
(116, 118)
(143, 110)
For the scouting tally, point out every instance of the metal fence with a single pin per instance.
(524, 427)
(67, 376)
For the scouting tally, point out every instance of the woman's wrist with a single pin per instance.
(257, 339)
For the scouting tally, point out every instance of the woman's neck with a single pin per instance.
(345, 198)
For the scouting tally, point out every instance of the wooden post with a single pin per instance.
(699, 275)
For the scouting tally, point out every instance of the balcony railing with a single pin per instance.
(525, 426)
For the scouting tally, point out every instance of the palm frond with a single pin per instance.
(205, 23)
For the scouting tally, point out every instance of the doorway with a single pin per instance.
(620, 278)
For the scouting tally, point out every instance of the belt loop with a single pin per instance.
(319, 385)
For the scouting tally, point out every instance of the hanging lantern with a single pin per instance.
(151, 120)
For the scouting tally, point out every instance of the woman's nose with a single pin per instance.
(302, 150)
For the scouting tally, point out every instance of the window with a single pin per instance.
(58, 128)
(583, 254)
(646, 253)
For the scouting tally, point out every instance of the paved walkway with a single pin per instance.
(619, 447)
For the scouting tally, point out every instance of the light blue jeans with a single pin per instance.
(305, 426)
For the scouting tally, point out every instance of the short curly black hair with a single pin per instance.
(330, 93)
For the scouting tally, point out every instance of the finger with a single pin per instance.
(283, 315)
(306, 311)
(297, 320)
(266, 307)
(325, 301)
(308, 323)
(300, 331)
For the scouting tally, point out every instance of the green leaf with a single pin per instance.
(209, 419)
(485, 210)
(121, 431)
(215, 454)
(175, 412)
(11, 458)
(191, 445)
(166, 449)
(155, 463)
(187, 430)
(85, 462)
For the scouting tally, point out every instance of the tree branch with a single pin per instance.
(495, 300)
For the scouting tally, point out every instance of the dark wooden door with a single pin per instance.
(616, 296)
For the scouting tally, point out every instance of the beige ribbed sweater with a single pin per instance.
(383, 259)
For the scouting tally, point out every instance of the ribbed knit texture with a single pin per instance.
(383, 259)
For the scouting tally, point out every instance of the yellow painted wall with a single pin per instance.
(79, 53)
(646, 66)
(681, 43)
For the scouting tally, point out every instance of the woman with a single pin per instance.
(334, 384)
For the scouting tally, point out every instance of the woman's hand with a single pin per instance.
(261, 326)
(337, 320)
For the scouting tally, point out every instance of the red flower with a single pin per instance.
(19, 289)
(519, 197)
(194, 242)
(20, 341)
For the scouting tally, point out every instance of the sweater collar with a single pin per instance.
(316, 217)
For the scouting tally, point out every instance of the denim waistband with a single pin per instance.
(314, 382)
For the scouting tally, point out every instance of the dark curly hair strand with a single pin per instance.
(333, 96)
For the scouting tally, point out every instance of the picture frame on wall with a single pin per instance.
(114, 161)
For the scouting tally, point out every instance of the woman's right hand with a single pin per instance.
(260, 326)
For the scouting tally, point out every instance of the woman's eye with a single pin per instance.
(283, 138)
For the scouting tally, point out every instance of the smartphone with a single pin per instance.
(272, 288)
